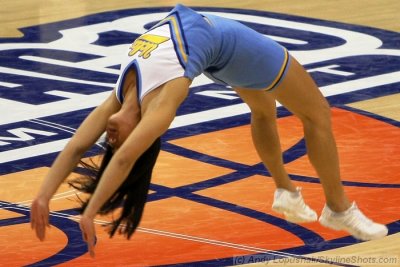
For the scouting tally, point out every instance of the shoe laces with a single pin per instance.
(356, 218)
(300, 200)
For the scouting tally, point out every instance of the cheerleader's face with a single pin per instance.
(121, 124)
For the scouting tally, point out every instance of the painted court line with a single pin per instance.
(180, 236)
(66, 129)
(54, 125)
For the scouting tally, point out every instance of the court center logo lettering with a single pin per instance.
(51, 78)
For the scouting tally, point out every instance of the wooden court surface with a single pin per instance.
(21, 187)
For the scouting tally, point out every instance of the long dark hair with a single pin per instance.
(131, 195)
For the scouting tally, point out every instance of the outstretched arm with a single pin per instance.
(86, 135)
(155, 121)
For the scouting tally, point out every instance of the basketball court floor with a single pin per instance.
(210, 199)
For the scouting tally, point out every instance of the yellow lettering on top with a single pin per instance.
(146, 44)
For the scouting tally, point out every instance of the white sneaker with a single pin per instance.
(292, 206)
(354, 222)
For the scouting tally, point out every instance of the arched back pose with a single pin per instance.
(156, 75)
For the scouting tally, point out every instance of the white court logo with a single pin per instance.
(56, 72)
